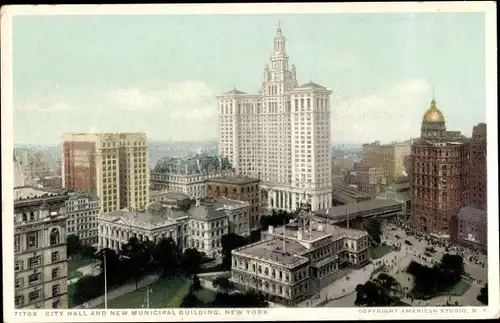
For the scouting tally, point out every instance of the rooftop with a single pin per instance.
(320, 229)
(311, 84)
(204, 213)
(169, 195)
(225, 202)
(274, 250)
(469, 213)
(23, 193)
(352, 208)
(138, 219)
(234, 91)
(233, 180)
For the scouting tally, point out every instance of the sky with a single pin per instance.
(161, 74)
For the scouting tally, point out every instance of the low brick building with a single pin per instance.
(472, 227)
(240, 188)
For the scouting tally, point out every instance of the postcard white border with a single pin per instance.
(336, 313)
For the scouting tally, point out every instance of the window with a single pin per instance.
(19, 300)
(17, 243)
(19, 282)
(18, 265)
(55, 256)
(32, 240)
(55, 273)
(55, 304)
(34, 296)
(54, 237)
(55, 290)
(35, 261)
(33, 279)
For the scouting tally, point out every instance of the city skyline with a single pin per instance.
(121, 79)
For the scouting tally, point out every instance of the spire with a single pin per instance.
(278, 32)
(433, 102)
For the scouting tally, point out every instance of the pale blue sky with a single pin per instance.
(160, 74)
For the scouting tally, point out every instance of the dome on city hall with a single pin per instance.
(433, 114)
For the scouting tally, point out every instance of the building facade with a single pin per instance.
(371, 180)
(240, 188)
(188, 175)
(399, 192)
(82, 209)
(295, 261)
(238, 213)
(280, 135)
(473, 228)
(112, 165)
(478, 165)
(439, 176)
(40, 258)
(391, 157)
(201, 226)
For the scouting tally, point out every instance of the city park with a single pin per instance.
(407, 269)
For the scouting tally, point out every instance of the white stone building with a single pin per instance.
(280, 135)
(40, 257)
(294, 262)
(238, 213)
(200, 227)
(82, 209)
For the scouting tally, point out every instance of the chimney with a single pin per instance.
(198, 201)
(270, 230)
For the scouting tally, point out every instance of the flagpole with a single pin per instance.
(105, 283)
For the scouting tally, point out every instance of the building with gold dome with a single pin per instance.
(439, 176)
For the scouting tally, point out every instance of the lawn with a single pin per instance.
(165, 293)
(459, 289)
(379, 251)
(76, 262)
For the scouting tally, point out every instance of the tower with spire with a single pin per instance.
(281, 134)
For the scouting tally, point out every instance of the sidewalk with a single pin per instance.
(120, 291)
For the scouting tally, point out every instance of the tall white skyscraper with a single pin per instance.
(280, 135)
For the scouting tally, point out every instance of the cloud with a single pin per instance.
(172, 96)
(343, 62)
(395, 113)
(44, 106)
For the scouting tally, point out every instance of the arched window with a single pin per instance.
(54, 237)
(25, 217)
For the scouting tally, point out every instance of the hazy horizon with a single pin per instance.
(161, 74)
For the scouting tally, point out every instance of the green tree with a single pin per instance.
(191, 261)
(196, 284)
(73, 244)
(483, 295)
(223, 284)
(374, 229)
(167, 256)
(255, 236)
(230, 242)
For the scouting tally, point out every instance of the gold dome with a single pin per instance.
(433, 114)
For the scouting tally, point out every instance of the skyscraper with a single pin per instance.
(478, 178)
(439, 176)
(112, 165)
(280, 135)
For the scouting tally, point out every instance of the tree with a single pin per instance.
(190, 301)
(191, 261)
(374, 229)
(196, 284)
(230, 242)
(255, 236)
(73, 244)
(166, 256)
(223, 284)
(483, 295)
(88, 252)
(117, 273)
